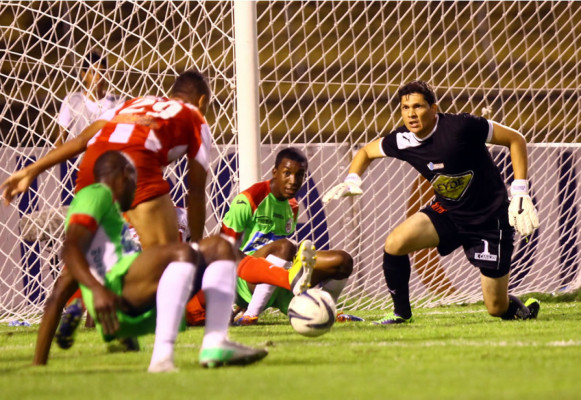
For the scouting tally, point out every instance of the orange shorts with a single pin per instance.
(150, 182)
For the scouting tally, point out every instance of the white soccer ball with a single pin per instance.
(312, 313)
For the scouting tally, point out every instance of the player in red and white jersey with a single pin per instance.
(152, 132)
(155, 132)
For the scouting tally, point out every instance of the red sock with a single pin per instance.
(258, 270)
(76, 295)
(196, 310)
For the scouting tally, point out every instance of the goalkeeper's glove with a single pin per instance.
(522, 213)
(351, 186)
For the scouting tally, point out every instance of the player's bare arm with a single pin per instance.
(196, 199)
(77, 242)
(64, 287)
(20, 181)
(364, 156)
(522, 213)
(515, 141)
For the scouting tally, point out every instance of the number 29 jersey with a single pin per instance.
(455, 160)
(153, 132)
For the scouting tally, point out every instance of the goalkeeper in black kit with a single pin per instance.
(471, 207)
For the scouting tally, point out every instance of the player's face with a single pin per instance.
(287, 178)
(418, 116)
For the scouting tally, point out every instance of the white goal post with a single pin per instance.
(327, 73)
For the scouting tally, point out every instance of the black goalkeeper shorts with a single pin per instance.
(487, 246)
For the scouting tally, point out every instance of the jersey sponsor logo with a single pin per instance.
(96, 261)
(432, 166)
(263, 220)
(452, 187)
(129, 240)
(485, 255)
(276, 215)
(437, 207)
(259, 240)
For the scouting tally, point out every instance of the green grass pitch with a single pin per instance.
(455, 352)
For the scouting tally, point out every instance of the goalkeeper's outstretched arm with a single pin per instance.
(351, 186)
(364, 156)
(522, 213)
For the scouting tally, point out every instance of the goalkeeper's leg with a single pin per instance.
(501, 304)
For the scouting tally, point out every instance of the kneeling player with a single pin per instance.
(124, 291)
(260, 219)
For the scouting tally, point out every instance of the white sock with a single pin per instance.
(279, 262)
(173, 291)
(219, 286)
(263, 292)
(260, 297)
(334, 287)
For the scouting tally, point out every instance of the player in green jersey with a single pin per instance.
(260, 221)
(123, 289)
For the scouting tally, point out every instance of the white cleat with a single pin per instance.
(230, 353)
(162, 366)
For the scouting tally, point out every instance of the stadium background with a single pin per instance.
(328, 72)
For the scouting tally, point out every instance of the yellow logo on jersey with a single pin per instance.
(452, 187)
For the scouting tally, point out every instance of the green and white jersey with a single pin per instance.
(94, 208)
(256, 218)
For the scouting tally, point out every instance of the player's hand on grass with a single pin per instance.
(522, 214)
(351, 186)
(17, 183)
(106, 304)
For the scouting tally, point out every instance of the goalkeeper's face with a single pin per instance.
(418, 116)
(287, 178)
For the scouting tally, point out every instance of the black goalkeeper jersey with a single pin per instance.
(456, 161)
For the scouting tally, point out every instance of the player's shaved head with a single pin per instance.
(116, 170)
(110, 164)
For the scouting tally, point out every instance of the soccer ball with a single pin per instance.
(312, 313)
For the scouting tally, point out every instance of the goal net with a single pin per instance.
(328, 73)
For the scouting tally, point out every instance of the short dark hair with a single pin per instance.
(291, 153)
(93, 58)
(419, 87)
(191, 83)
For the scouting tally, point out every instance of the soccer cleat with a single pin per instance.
(161, 366)
(341, 317)
(299, 275)
(534, 306)
(246, 320)
(130, 344)
(65, 334)
(230, 353)
(393, 318)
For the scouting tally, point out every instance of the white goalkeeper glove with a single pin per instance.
(522, 214)
(351, 186)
